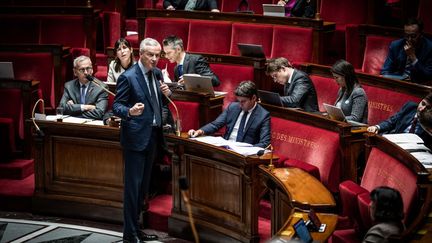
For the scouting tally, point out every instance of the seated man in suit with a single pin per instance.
(82, 98)
(246, 120)
(189, 5)
(405, 120)
(425, 119)
(186, 63)
(410, 58)
(299, 91)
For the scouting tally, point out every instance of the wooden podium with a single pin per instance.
(224, 192)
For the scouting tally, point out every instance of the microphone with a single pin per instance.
(177, 121)
(98, 83)
(184, 185)
(39, 132)
(261, 152)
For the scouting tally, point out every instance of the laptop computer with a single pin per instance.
(269, 97)
(273, 10)
(200, 84)
(251, 50)
(336, 113)
(6, 70)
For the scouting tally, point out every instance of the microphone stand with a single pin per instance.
(99, 84)
(270, 166)
(38, 130)
(183, 184)
(177, 122)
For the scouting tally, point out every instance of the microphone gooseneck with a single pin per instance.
(39, 132)
(184, 186)
(270, 166)
(98, 83)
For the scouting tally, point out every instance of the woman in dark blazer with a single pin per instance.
(351, 98)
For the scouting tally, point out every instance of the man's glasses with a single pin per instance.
(82, 70)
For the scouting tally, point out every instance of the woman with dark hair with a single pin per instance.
(351, 98)
(387, 213)
(124, 60)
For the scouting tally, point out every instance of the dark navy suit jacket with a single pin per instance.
(257, 128)
(196, 64)
(396, 60)
(300, 93)
(132, 88)
(401, 120)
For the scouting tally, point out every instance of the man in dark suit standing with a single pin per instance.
(138, 102)
(186, 63)
(205, 5)
(299, 91)
(406, 120)
(246, 120)
(82, 98)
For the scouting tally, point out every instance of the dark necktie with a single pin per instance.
(240, 132)
(180, 70)
(413, 125)
(83, 87)
(154, 100)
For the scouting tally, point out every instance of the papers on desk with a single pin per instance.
(414, 145)
(76, 120)
(238, 147)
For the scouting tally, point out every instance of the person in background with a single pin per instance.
(138, 102)
(189, 5)
(304, 8)
(410, 58)
(405, 120)
(82, 98)
(299, 91)
(288, 6)
(425, 119)
(351, 98)
(186, 63)
(386, 211)
(246, 120)
(124, 59)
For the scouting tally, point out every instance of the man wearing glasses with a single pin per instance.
(299, 91)
(410, 58)
(82, 98)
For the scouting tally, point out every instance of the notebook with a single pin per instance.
(273, 10)
(6, 70)
(336, 113)
(200, 84)
(271, 98)
(251, 50)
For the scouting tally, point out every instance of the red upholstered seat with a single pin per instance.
(254, 5)
(353, 51)
(375, 53)
(209, 36)
(252, 34)
(326, 89)
(170, 67)
(189, 114)
(25, 68)
(159, 29)
(11, 121)
(13, 33)
(297, 144)
(230, 76)
(111, 28)
(286, 43)
(62, 25)
(7, 138)
(382, 103)
(425, 15)
(344, 236)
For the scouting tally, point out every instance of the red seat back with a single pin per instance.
(382, 103)
(112, 29)
(375, 53)
(13, 109)
(326, 89)
(209, 36)
(286, 41)
(251, 34)
(425, 15)
(230, 77)
(189, 114)
(344, 12)
(159, 29)
(57, 30)
(311, 145)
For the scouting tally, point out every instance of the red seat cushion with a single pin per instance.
(189, 114)
(160, 28)
(344, 236)
(230, 76)
(348, 197)
(315, 146)
(209, 36)
(285, 43)
(375, 53)
(251, 34)
(383, 103)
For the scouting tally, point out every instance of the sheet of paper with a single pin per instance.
(403, 138)
(245, 149)
(423, 157)
(78, 120)
(95, 122)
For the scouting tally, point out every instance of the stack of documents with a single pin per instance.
(414, 145)
(238, 147)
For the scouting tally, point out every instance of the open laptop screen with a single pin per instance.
(273, 10)
(251, 50)
(6, 70)
(271, 98)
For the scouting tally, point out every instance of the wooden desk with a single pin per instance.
(292, 191)
(224, 192)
